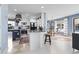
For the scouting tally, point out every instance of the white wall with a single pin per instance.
(4, 28)
(0, 27)
(58, 11)
(32, 20)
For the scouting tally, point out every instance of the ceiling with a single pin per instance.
(53, 10)
(25, 8)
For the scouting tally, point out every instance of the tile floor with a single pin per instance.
(60, 45)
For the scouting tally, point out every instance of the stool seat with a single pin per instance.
(47, 40)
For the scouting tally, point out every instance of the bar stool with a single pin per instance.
(47, 40)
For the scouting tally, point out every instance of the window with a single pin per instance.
(76, 24)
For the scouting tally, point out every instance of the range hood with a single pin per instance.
(18, 16)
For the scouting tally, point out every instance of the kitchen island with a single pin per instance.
(36, 40)
(15, 33)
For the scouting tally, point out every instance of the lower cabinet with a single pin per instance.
(16, 34)
(75, 41)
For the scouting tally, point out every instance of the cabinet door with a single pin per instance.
(75, 41)
(16, 34)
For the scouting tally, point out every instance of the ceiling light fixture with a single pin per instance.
(15, 9)
(42, 7)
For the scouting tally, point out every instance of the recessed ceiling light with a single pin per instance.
(42, 6)
(15, 9)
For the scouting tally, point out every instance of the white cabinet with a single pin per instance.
(34, 40)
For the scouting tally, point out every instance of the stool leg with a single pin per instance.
(45, 39)
(49, 40)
